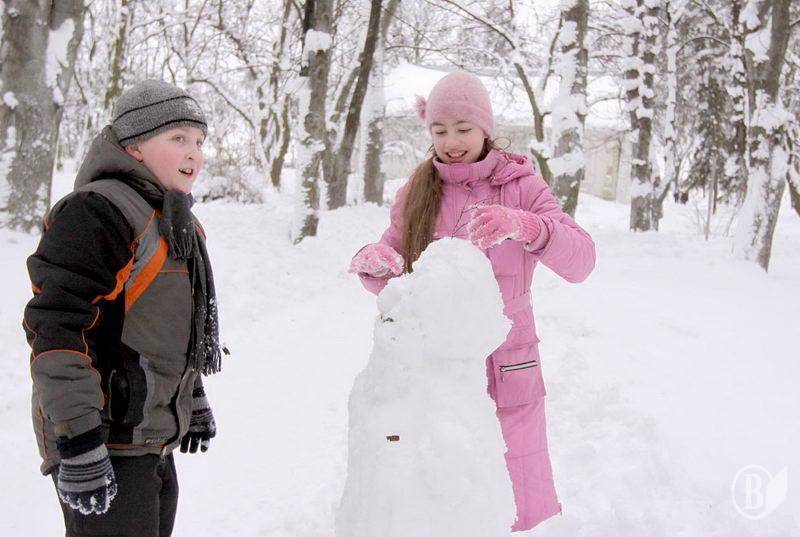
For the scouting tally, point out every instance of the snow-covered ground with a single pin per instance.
(670, 369)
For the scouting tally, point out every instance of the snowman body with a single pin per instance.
(425, 450)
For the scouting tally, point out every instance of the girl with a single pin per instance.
(471, 190)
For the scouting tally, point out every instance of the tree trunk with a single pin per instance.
(114, 88)
(284, 124)
(768, 146)
(670, 162)
(569, 111)
(794, 189)
(542, 158)
(40, 41)
(736, 163)
(276, 167)
(640, 93)
(337, 182)
(312, 134)
(793, 173)
(374, 177)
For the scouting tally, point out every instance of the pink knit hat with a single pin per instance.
(459, 96)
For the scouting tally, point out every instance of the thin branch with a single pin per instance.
(700, 38)
(549, 70)
(708, 9)
(489, 24)
(603, 99)
(225, 97)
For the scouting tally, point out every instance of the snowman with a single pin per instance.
(425, 453)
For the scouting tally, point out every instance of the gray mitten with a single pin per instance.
(85, 476)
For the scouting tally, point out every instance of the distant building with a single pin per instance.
(608, 155)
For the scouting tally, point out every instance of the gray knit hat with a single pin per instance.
(152, 107)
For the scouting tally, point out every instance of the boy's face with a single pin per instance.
(175, 157)
(457, 141)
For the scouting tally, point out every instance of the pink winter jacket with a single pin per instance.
(507, 179)
(513, 369)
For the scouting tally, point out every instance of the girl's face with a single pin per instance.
(457, 141)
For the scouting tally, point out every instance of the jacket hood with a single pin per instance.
(106, 159)
(511, 166)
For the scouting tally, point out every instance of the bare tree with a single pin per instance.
(40, 39)
(312, 133)
(340, 170)
(374, 114)
(792, 102)
(640, 71)
(115, 83)
(673, 12)
(283, 123)
(767, 131)
(568, 113)
(736, 162)
(793, 171)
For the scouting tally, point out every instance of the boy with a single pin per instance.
(124, 320)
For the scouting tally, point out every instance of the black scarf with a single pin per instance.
(177, 226)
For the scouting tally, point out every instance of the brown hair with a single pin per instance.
(423, 200)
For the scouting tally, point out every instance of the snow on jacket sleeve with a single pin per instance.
(393, 236)
(568, 250)
(81, 259)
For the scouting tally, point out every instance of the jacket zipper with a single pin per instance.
(515, 367)
(187, 370)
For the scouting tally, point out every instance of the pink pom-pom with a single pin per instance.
(421, 107)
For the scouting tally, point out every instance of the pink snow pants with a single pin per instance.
(527, 457)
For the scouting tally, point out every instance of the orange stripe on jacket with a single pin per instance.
(147, 275)
(122, 278)
(83, 332)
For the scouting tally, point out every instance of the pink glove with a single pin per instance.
(377, 260)
(492, 224)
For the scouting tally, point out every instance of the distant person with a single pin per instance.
(680, 197)
(124, 321)
(469, 189)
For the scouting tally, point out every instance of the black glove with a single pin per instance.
(202, 427)
(85, 477)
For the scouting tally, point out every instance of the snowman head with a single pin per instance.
(451, 303)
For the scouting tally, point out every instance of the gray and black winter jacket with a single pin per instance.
(110, 321)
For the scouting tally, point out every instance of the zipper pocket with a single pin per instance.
(516, 367)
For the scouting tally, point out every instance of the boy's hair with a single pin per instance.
(423, 200)
(152, 107)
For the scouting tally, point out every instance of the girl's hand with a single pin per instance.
(377, 260)
(492, 224)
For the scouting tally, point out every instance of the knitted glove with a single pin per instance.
(490, 225)
(202, 427)
(85, 477)
(377, 260)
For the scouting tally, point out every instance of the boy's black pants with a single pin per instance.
(145, 505)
